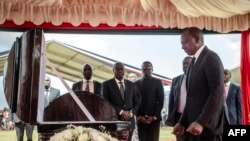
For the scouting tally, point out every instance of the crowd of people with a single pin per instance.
(6, 120)
(201, 102)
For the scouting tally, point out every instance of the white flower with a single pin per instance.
(79, 133)
(83, 137)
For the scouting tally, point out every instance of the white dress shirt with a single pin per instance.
(198, 52)
(91, 85)
(183, 95)
(226, 88)
(118, 83)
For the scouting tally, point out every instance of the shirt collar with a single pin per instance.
(90, 80)
(228, 83)
(198, 52)
(117, 81)
(48, 89)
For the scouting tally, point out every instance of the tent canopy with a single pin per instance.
(68, 60)
(217, 15)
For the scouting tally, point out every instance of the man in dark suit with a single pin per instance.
(123, 95)
(152, 98)
(50, 92)
(177, 97)
(233, 99)
(203, 115)
(88, 84)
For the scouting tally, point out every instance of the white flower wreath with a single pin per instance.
(79, 133)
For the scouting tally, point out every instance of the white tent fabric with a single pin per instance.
(218, 15)
(214, 8)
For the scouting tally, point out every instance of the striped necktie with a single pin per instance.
(87, 86)
(122, 90)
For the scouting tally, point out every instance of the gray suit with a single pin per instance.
(54, 93)
(20, 126)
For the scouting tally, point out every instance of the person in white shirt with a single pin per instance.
(87, 83)
(177, 97)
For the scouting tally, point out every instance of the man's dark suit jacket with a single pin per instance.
(97, 87)
(234, 104)
(174, 100)
(112, 94)
(205, 99)
(152, 97)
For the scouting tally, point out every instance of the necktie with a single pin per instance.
(122, 90)
(87, 86)
(191, 67)
(47, 94)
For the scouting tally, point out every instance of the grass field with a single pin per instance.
(165, 135)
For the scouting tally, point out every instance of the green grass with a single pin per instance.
(11, 135)
(165, 135)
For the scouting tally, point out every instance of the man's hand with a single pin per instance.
(126, 115)
(149, 119)
(178, 129)
(195, 128)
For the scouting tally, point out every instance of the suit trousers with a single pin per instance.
(20, 126)
(149, 132)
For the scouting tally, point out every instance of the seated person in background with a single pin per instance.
(88, 84)
(50, 92)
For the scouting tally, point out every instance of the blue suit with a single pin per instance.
(234, 104)
(174, 100)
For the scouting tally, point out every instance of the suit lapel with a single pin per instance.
(179, 87)
(94, 86)
(230, 91)
(80, 86)
(117, 90)
(196, 65)
(51, 93)
(126, 89)
(200, 58)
